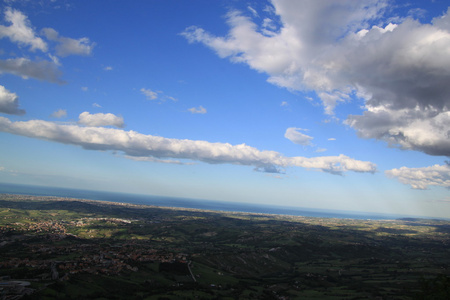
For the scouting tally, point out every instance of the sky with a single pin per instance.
(315, 104)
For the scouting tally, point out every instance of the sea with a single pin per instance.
(214, 205)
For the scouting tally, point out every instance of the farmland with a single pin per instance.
(72, 249)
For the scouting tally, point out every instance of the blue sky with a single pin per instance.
(317, 104)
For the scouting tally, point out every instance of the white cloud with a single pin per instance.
(96, 105)
(151, 95)
(422, 178)
(108, 68)
(42, 70)
(294, 135)
(426, 130)
(284, 103)
(331, 139)
(198, 110)
(59, 113)
(152, 159)
(20, 31)
(100, 119)
(54, 59)
(170, 98)
(269, 24)
(9, 102)
(158, 95)
(84, 88)
(68, 46)
(253, 11)
(330, 47)
(139, 145)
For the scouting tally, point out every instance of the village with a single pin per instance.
(94, 258)
(54, 254)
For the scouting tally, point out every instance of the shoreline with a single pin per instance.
(180, 209)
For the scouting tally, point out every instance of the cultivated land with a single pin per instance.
(60, 248)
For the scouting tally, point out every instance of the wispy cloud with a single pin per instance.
(164, 161)
(151, 95)
(156, 95)
(441, 201)
(294, 135)
(253, 11)
(69, 46)
(59, 113)
(198, 110)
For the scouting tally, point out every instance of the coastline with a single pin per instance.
(201, 204)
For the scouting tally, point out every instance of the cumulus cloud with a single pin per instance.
(422, 178)
(41, 70)
(9, 102)
(426, 130)
(198, 110)
(294, 135)
(137, 145)
(59, 113)
(400, 70)
(100, 119)
(20, 31)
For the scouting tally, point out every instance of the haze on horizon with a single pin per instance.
(320, 104)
